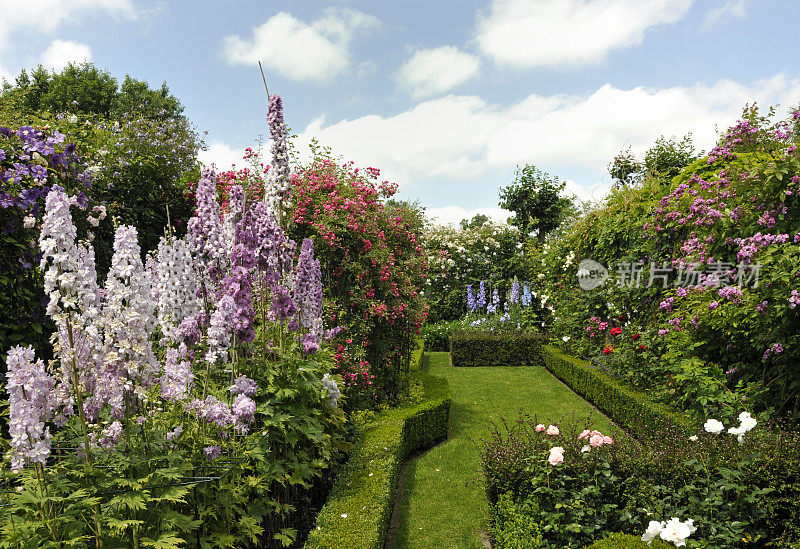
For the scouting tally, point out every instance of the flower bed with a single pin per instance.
(717, 488)
(495, 348)
(359, 509)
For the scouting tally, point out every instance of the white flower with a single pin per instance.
(585, 449)
(693, 438)
(714, 426)
(29, 221)
(72, 119)
(556, 456)
(653, 530)
(565, 339)
(553, 431)
(677, 531)
(747, 421)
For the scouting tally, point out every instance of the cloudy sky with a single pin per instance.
(445, 97)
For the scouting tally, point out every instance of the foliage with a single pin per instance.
(457, 257)
(358, 511)
(373, 266)
(112, 446)
(507, 348)
(535, 199)
(633, 410)
(83, 88)
(727, 488)
(31, 161)
(683, 317)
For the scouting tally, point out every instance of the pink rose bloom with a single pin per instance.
(584, 434)
(595, 441)
(608, 440)
(539, 428)
(553, 431)
(556, 456)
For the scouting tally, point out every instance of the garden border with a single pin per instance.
(359, 508)
(633, 410)
(477, 348)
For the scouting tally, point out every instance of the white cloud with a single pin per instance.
(313, 52)
(222, 156)
(436, 70)
(451, 215)
(61, 53)
(557, 33)
(729, 9)
(465, 139)
(47, 15)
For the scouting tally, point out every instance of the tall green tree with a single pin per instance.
(535, 198)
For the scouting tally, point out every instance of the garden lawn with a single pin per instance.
(442, 502)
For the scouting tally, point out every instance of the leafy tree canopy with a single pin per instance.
(535, 198)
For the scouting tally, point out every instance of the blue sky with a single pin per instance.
(445, 97)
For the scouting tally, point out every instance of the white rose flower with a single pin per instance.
(714, 426)
(653, 530)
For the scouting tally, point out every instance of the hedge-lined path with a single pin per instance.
(442, 503)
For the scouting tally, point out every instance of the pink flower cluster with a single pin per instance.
(596, 438)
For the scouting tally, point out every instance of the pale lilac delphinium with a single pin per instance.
(274, 251)
(176, 290)
(308, 296)
(243, 411)
(279, 170)
(220, 330)
(232, 218)
(333, 390)
(31, 402)
(129, 313)
(243, 385)
(283, 307)
(204, 231)
(111, 435)
(70, 292)
(212, 452)
(176, 383)
(211, 410)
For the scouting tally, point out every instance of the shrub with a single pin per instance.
(629, 408)
(735, 492)
(513, 526)
(625, 541)
(360, 505)
(495, 348)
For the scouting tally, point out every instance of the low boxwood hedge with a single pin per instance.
(495, 348)
(632, 410)
(359, 508)
(625, 541)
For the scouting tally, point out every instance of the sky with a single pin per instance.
(448, 97)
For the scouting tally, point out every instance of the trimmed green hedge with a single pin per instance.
(495, 348)
(631, 409)
(359, 508)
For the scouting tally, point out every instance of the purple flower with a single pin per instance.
(31, 400)
(178, 377)
(175, 433)
(308, 286)
(762, 307)
(713, 305)
(212, 452)
(283, 306)
(481, 302)
(471, 299)
(111, 435)
(243, 409)
(514, 292)
(243, 385)
(794, 299)
(212, 410)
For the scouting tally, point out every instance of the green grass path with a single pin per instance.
(442, 503)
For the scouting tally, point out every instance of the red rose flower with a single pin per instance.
(616, 331)
(607, 350)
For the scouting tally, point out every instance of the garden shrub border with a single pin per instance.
(631, 409)
(359, 508)
(495, 349)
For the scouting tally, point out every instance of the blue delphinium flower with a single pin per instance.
(470, 299)
(482, 296)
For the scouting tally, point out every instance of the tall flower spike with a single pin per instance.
(280, 150)
(129, 313)
(175, 284)
(31, 403)
(308, 287)
(204, 230)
